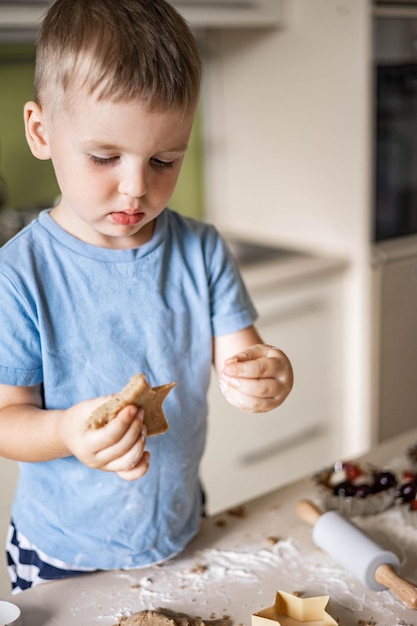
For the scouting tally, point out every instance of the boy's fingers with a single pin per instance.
(259, 361)
(119, 439)
(254, 352)
(135, 470)
(122, 422)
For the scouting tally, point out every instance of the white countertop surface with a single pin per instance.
(291, 270)
(265, 265)
(233, 568)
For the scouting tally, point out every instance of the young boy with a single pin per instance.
(110, 283)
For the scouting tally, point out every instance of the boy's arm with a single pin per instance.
(33, 434)
(254, 377)
(27, 432)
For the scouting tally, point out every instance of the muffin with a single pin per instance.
(407, 497)
(355, 489)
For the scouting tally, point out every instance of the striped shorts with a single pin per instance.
(28, 566)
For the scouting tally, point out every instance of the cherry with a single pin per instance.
(352, 470)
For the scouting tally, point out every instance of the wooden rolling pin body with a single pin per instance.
(349, 546)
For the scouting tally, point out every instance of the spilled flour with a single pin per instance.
(252, 574)
(215, 582)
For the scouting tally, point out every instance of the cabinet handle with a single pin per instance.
(282, 445)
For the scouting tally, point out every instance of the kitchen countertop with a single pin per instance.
(265, 265)
(237, 563)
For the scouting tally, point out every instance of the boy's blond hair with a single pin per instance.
(117, 50)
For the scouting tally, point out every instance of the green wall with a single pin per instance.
(30, 182)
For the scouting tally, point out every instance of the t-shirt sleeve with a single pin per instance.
(20, 353)
(231, 306)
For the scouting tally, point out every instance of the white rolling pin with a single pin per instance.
(349, 546)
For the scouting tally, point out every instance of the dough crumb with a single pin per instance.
(166, 617)
(273, 540)
(238, 511)
(221, 523)
(199, 569)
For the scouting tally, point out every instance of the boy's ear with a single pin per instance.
(35, 131)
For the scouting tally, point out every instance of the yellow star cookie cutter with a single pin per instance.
(290, 610)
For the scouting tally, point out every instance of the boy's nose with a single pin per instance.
(134, 183)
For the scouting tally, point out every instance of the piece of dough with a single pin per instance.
(138, 392)
(166, 617)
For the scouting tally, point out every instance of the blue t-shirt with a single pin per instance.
(81, 320)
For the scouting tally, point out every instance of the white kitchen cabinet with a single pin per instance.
(395, 309)
(19, 20)
(250, 454)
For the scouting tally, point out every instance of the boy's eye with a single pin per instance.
(102, 160)
(163, 164)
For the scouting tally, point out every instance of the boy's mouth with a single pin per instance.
(126, 219)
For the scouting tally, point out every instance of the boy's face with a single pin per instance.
(116, 163)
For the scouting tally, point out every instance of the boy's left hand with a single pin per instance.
(257, 379)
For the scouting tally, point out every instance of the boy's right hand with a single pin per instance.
(117, 447)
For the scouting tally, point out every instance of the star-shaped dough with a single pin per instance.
(292, 610)
(138, 392)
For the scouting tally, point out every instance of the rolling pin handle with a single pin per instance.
(403, 589)
(308, 511)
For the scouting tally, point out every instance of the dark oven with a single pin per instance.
(395, 141)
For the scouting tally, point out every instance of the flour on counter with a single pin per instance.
(222, 570)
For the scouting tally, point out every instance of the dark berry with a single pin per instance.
(362, 491)
(408, 491)
(344, 489)
(384, 480)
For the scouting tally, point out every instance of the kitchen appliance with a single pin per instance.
(395, 73)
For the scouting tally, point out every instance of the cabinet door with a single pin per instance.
(397, 315)
(250, 454)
